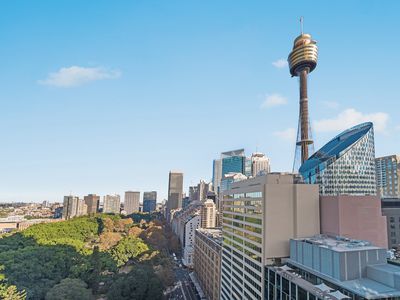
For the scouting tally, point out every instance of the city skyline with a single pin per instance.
(75, 107)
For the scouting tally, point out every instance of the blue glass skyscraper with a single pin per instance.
(149, 201)
(233, 162)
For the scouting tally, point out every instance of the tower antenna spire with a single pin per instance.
(301, 24)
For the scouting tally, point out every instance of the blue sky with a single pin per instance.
(107, 96)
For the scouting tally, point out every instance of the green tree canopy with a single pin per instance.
(70, 289)
(139, 284)
(127, 248)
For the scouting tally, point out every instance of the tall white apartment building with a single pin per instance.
(208, 214)
(73, 207)
(260, 164)
(112, 204)
(191, 225)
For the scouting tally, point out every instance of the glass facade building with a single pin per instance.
(149, 201)
(345, 165)
(233, 162)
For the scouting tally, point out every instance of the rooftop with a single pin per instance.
(339, 244)
(238, 152)
(212, 233)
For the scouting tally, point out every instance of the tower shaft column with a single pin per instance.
(304, 142)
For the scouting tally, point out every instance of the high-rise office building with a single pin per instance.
(131, 202)
(345, 165)
(92, 201)
(208, 214)
(112, 204)
(260, 215)
(193, 193)
(217, 174)
(175, 191)
(149, 201)
(199, 192)
(388, 176)
(233, 162)
(260, 164)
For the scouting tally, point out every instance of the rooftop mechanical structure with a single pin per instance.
(302, 61)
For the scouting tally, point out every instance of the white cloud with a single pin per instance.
(351, 117)
(273, 100)
(280, 63)
(288, 134)
(331, 104)
(76, 76)
(397, 128)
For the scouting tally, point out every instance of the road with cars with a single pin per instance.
(184, 287)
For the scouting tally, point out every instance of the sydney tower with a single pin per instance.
(303, 60)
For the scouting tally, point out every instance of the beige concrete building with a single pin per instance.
(207, 261)
(260, 216)
(260, 164)
(92, 201)
(131, 202)
(112, 204)
(208, 214)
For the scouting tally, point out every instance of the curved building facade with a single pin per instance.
(345, 165)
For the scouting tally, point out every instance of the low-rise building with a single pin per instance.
(207, 261)
(333, 268)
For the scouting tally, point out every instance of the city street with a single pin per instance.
(184, 288)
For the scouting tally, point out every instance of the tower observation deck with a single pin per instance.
(302, 61)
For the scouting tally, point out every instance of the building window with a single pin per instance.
(301, 294)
